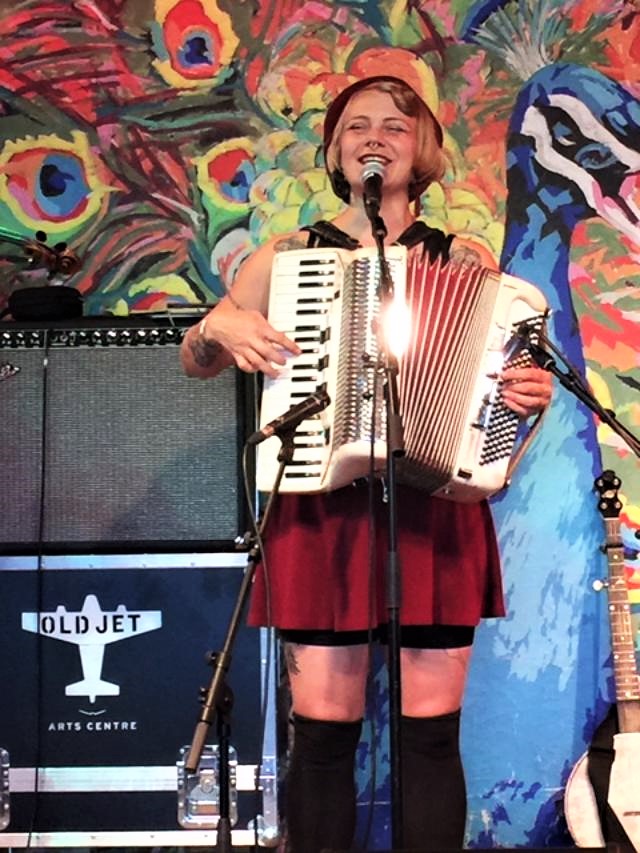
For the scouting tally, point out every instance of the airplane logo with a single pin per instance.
(91, 629)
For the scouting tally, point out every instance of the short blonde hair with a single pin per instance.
(429, 164)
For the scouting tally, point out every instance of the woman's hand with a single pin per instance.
(526, 390)
(249, 338)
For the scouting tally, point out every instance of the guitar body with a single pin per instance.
(581, 807)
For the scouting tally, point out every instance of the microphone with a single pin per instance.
(527, 328)
(372, 179)
(290, 419)
(526, 332)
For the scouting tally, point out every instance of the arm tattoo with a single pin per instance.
(465, 256)
(204, 352)
(287, 243)
(290, 659)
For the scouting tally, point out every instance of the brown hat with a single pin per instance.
(335, 110)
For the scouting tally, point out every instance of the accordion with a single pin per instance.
(459, 437)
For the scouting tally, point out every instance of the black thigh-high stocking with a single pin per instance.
(320, 801)
(433, 786)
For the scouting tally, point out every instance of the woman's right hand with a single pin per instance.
(250, 339)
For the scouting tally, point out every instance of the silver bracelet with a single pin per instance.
(202, 325)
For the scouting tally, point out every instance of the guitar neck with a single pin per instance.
(622, 639)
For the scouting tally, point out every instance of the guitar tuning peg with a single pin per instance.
(598, 585)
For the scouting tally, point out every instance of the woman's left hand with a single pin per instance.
(526, 390)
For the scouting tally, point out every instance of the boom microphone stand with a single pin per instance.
(218, 698)
(572, 381)
(395, 450)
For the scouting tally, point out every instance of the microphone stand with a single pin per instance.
(395, 449)
(572, 381)
(218, 698)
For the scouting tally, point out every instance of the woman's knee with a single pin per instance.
(433, 680)
(327, 683)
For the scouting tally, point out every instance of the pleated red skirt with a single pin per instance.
(326, 558)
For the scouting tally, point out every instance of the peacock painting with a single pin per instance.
(572, 155)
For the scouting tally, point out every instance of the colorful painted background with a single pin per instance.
(162, 140)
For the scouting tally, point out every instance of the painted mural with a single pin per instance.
(158, 141)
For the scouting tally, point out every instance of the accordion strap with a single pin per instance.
(326, 234)
(435, 242)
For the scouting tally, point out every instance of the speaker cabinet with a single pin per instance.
(106, 444)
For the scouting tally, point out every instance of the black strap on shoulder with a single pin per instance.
(435, 242)
(326, 235)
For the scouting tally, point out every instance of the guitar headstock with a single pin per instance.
(607, 486)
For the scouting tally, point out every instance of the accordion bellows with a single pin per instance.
(459, 437)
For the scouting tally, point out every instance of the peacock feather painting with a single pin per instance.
(162, 140)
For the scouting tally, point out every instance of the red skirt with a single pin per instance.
(326, 558)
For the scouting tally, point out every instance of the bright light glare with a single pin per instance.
(396, 326)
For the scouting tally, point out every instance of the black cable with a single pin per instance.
(264, 704)
(40, 592)
(373, 605)
(252, 499)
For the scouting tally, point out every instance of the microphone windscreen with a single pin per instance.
(373, 168)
